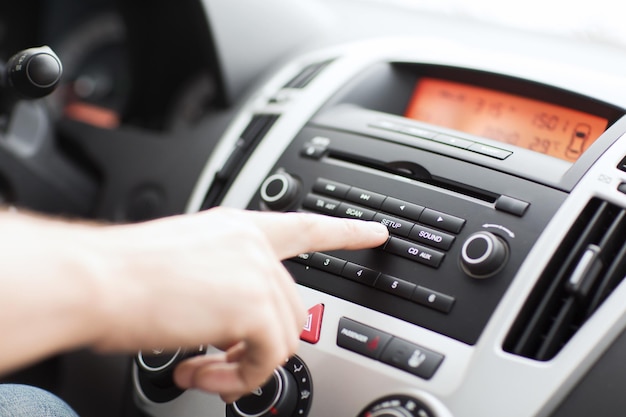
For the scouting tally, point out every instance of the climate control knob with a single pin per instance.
(279, 191)
(391, 412)
(397, 406)
(483, 254)
(278, 397)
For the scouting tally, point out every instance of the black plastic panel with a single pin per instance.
(441, 185)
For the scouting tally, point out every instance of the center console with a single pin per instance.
(504, 198)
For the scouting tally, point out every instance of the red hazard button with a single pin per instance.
(313, 326)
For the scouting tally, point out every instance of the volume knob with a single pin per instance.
(484, 254)
(279, 191)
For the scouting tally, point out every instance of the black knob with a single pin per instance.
(391, 412)
(397, 406)
(34, 72)
(279, 191)
(277, 398)
(157, 366)
(484, 254)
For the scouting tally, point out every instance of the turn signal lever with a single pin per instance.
(34, 172)
(29, 74)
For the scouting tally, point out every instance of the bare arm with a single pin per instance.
(212, 277)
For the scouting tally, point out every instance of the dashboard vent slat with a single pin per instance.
(307, 75)
(251, 136)
(585, 269)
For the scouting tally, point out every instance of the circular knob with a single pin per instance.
(397, 406)
(483, 254)
(391, 412)
(279, 191)
(34, 72)
(277, 398)
(157, 365)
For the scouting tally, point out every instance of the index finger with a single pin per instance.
(291, 234)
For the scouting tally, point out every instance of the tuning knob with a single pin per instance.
(279, 191)
(34, 72)
(483, 254)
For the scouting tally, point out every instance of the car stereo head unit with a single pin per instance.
(502, 198)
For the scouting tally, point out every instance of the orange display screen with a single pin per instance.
(528, 123)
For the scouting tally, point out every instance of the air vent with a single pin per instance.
(247, 143)
(588, 265)
(307, 75)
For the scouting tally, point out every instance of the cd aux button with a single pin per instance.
(417, 253)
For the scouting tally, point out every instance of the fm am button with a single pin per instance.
(313, 326)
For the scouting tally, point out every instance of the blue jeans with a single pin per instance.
(25, 401)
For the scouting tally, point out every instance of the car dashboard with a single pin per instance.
(496, 158)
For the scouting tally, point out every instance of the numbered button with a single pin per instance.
(433, 299)
(395, 286)
(327, 263)
(360, 274)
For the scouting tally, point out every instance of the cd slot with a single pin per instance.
(416, 172)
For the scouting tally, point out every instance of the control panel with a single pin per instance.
(477, 210)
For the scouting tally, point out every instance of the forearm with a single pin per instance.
(49, 289)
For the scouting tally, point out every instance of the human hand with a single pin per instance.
(215, 277)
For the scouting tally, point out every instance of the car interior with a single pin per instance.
(488, 137)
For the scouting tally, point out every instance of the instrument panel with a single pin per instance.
(482, 176)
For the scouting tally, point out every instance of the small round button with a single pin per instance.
(44, 70)
(279, 191)
(483, 254)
